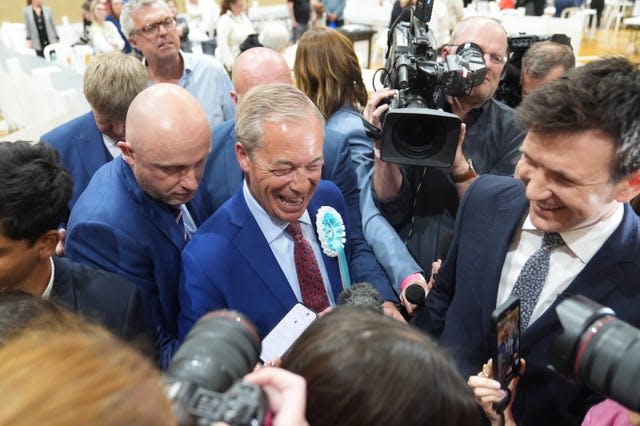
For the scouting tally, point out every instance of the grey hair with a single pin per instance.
(133, 6)
(543, 56)
(272, 103)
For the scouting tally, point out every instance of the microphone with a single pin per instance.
(415, 294)
(361, 295)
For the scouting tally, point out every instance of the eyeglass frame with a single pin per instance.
(494, 57)
(152, 29)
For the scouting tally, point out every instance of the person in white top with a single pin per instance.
(234, 27)
(103, 35)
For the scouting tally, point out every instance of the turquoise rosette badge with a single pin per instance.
(332, 236)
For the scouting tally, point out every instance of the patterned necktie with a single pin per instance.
(533, 276)
(177, 214)
(312, 288)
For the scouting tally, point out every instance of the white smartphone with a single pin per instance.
(286, 332)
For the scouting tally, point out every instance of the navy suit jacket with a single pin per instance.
(100, 296)
(458, 309)
(229, 264)
(117, 227)
(223, 177)
(82, 151)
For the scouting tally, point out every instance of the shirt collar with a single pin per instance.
(271, 227)
(47, 291)
(585, 242)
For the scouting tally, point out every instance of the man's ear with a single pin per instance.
(243, 157)
(46, 244)
(132, 42)
(628, 187)
(127, 153)
(234, 97)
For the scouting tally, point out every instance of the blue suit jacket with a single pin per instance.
(116, 226)
(223, 177)
(458, 309)
(229, 264)
(100, 296)
(81, 149)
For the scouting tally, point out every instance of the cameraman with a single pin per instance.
(421, 202)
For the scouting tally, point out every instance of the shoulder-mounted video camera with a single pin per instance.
(414, 132)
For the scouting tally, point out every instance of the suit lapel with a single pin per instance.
(63, 291)
(250, 240)
(330, 263)
(598, 278)
(92, 158)
(155, 213)
(503, 225)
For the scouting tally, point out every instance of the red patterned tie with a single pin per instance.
(312, 288)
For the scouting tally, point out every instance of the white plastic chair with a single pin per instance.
(82, 53)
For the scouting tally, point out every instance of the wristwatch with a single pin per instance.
(469, 174)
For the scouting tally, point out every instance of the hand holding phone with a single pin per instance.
(506, 354)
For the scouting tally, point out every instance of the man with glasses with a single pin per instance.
(421, 202)
(151, 29)
(260, 253)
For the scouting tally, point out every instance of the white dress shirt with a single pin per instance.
(281, 243)
(565, 262)
(111, 145)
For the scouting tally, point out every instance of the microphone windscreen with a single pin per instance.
(415, 294)
(361, 295)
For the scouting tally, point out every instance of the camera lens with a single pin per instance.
(221, 347)
(418, 138)
(597, 349)
(608, 360)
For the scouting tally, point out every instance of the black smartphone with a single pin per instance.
(506, 338)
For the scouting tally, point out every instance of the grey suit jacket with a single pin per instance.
(32, 30)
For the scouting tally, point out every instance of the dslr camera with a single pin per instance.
(414, 132)
(598, 350)
(203, 380)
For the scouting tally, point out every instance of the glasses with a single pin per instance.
(150, 30)
(494, 58)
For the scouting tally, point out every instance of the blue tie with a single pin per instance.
(533, 276)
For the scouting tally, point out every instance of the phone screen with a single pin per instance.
(507, 339)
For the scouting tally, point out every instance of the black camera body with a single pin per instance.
(597, 349)
(413, 131)
(203, 380)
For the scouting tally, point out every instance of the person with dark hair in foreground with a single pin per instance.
(363, 368)
(34, 193)
(563, 227)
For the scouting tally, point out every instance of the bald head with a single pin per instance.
(259, 65)
(167, 142)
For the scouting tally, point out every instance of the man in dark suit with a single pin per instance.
(34, 192)
(111, 81)
(223, 175)
(245, 256)
(138, 210)
(580, 165)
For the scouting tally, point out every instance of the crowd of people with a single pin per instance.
(184, 191)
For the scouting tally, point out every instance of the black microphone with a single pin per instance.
(415, 294)
(361, 295)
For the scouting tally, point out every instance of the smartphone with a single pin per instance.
(286, 332)
(506, 332)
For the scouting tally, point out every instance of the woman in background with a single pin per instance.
(39, 26)
(103, 35)
(233, 28)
